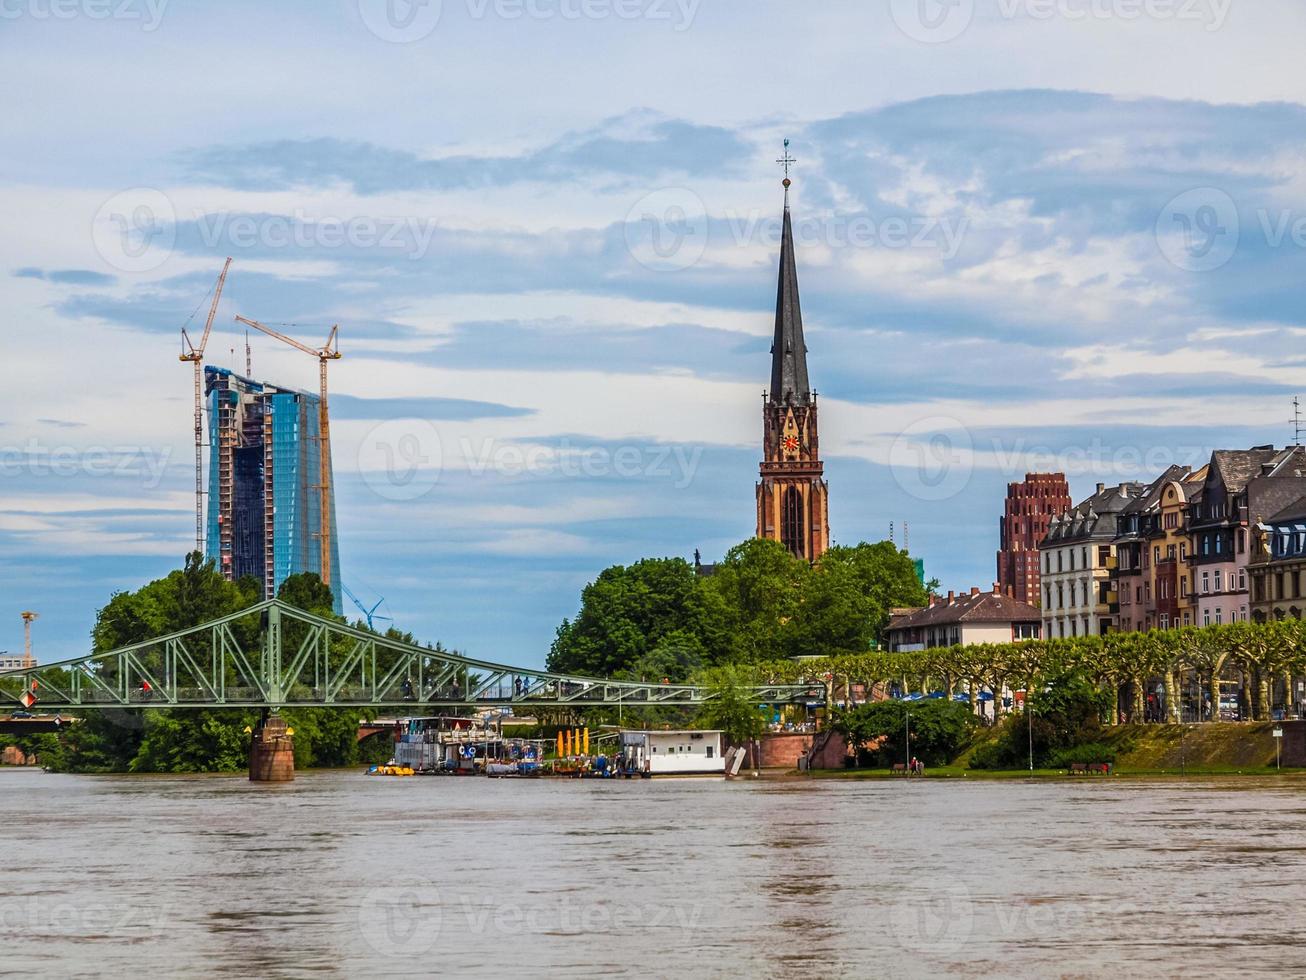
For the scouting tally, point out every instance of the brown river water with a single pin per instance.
(339, 874)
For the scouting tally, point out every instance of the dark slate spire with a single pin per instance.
(788, 351)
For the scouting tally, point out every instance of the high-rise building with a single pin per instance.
(1031, 505)
(792, 496)
(265, 476)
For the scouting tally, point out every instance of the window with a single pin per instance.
(1156, 554)
(1206, 582)
(1074, 628)
(1242, 580)
(710, 750)
(1147, 591)
(1059, 567)
(1219, 580)
(1171, 520)
(1165, 623)
(1169, 552)
(791, 521)
(1217, 615)
(1183, 551)
(1083, 554)
(1242, 540)
(1206, 617)
(1219, 544)
(1103, 554)
(1183, 585)
(1187, 618)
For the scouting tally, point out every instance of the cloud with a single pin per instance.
(348, 407)
(640, 144)
(73, 277)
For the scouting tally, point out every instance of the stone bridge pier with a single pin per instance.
(272, 752)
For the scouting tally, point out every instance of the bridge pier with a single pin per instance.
(272, 752)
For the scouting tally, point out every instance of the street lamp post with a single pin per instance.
(1029, 724)
(907, 730)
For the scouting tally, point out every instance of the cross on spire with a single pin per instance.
(786, 161)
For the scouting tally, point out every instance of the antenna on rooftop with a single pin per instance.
(1296, 421)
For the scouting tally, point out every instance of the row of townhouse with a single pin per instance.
(1178, 551)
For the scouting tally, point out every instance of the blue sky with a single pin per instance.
(1032, 234)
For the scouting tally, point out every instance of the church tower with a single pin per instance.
(792, 496)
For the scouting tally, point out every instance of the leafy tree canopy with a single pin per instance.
(658, 619)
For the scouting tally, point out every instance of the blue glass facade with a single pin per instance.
(264, 508)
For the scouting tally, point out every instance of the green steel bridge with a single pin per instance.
(274, 656)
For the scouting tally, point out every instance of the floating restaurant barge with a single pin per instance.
(472, 746)
(464, 747)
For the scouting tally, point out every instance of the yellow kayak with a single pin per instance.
(391, 771)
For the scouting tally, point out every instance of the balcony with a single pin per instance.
(1112, 563)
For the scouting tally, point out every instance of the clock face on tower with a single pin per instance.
(790, 444)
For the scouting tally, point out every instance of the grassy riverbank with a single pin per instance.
(1219, 749)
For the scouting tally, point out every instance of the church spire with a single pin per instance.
(788, 351)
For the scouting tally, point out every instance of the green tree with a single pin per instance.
(629, 612)
(732, 708)
(940, 729)
(759, 585)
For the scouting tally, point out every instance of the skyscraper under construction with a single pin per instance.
(265, 482)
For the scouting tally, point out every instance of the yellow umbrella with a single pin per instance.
(560, 752)
(587, 742)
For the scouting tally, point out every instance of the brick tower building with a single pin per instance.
(792, 496)
(1031, 506)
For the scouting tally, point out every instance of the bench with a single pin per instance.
(1078, 768)
(898, 769)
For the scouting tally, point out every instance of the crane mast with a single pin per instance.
(195, 355)
(330, 351)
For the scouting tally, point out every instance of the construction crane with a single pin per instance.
(195, 355)
(28, 617)
(330, 351)
(368, 614)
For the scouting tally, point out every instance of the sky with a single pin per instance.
(1031, 235)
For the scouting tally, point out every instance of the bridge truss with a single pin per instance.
(273, 655)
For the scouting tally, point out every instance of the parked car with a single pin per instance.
(22, 714)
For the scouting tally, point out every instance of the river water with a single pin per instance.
(339, 874)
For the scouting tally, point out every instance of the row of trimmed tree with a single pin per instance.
(1195, 665)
